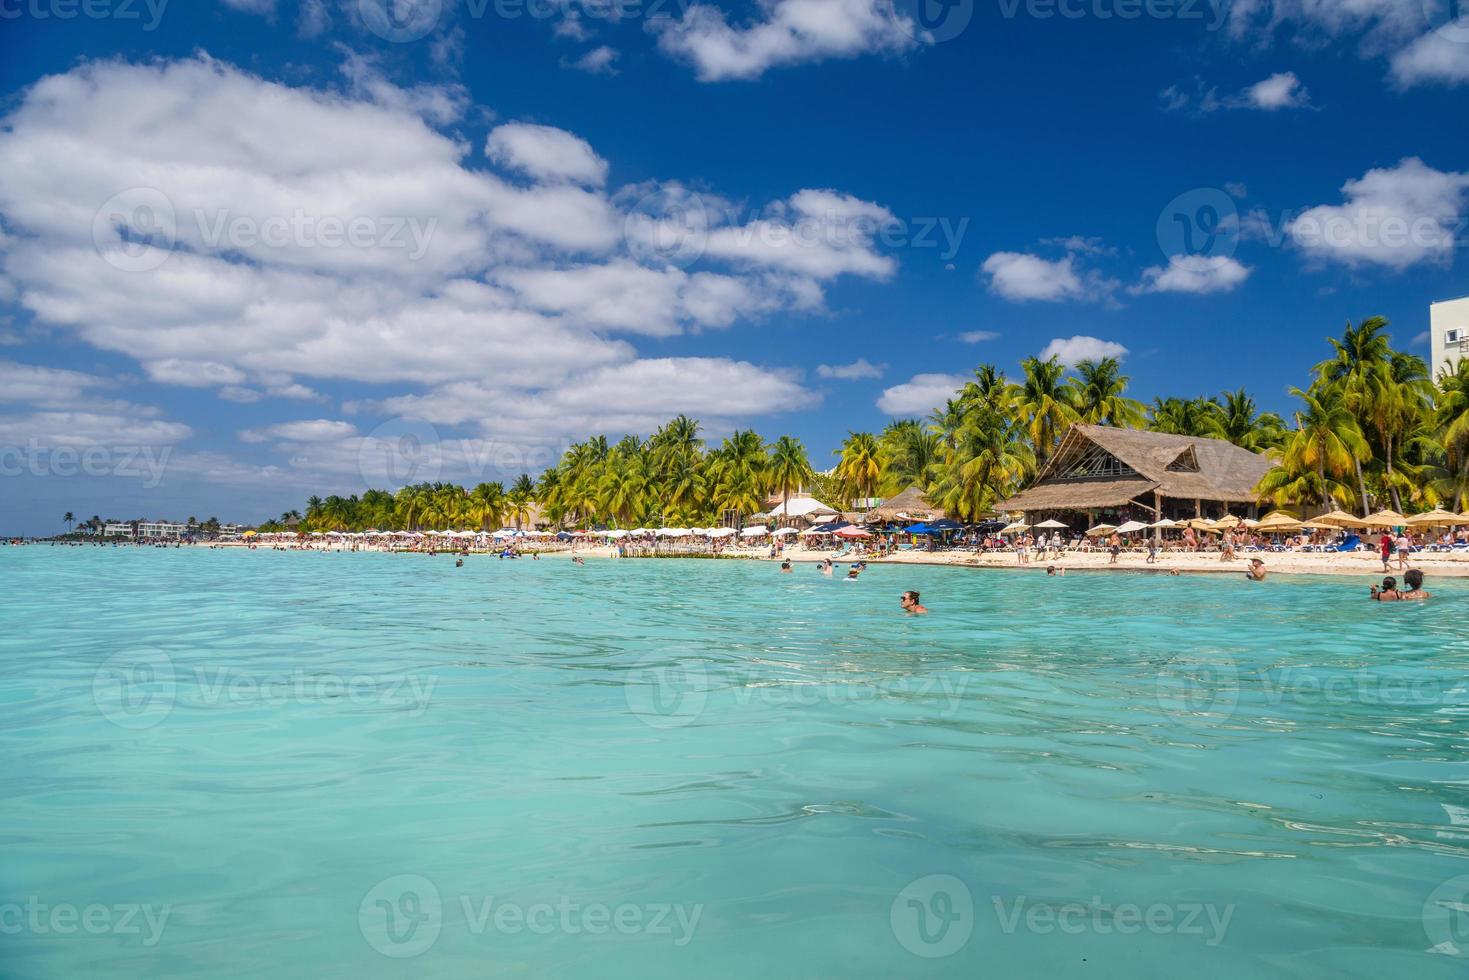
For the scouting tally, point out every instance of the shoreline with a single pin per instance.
(1188, 563)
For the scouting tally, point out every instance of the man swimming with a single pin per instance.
(911, 605)
(785, 567)
(1256, 572)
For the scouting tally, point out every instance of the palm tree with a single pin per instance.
(862, 463)
(1452, 416)
(789, 469)
(1097, 394)
(1045, 402)
(1184, 416)
(522, 494)
(1238, 420)
(68, 519)
(911, 449)
(487, 505)
(1326, 445)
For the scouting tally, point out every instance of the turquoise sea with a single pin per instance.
(259, 764)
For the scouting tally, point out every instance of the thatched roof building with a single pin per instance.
(910, 504)
(1098, 467)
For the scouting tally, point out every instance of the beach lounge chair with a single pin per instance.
(1352, 543)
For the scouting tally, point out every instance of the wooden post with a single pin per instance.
(1157, 516)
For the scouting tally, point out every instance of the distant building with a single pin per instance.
(145, 530)
(1448, 328)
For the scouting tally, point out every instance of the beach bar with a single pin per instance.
(1103, 472)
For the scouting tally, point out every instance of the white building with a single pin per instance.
(1448, 328)
(146, 531)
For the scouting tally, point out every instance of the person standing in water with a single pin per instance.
(1413, 578)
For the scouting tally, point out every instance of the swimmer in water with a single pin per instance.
(785, 567)
(911, 605)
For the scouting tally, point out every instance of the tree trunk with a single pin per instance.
(1397, 502)
(1361, 486)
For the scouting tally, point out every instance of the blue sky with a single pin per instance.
(254, 249)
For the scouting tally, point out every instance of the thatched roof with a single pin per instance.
(910, 503)
(1103, 466)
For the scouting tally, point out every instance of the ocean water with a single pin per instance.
(221, 763)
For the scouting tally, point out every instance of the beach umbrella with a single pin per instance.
(754, 532)
(1101, 529)
(1384, 518)
(1279, 522)
(1340, 518)
(1247, 523)
(852, 531)
(1438, 517)
(782, 532)
(1015, 528)
(722, 532)
(1132, 527)
(1051, 524)
(616, 535)
(1165, 522)
(1228, 520)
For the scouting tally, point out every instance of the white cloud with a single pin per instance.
(36, 385)
(817, 233)
(1394, 217)
(921, 394)
(1282, 90)
(857, 370)
(1194, 274)
(1071, 351)
(546, 153)
(252, 6)
(598, 61)
(789, 32)
(524, 283)
(1021, 277)
(978, 336)
(1438, 56)
(1420, 41)
(307, 430)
